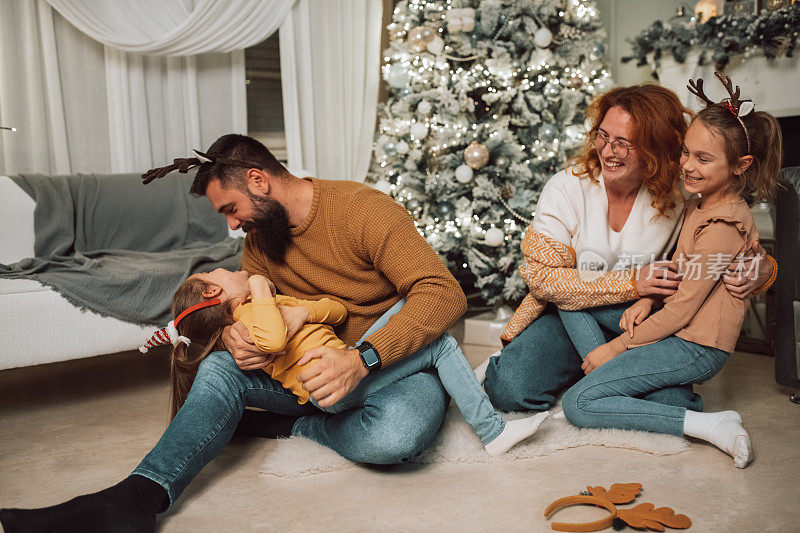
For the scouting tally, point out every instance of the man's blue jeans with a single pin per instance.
(453, 370)
(614, 394)
(541, 362)
(393, 424)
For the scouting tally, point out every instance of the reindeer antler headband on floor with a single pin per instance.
(739, 108)
(184, 164)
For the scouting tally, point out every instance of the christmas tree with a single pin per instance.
(486, 103)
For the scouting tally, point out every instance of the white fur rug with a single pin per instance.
(457, 443)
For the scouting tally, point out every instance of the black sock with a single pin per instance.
(264, 424)
(128, 506)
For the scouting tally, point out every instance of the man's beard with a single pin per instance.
(269, 227)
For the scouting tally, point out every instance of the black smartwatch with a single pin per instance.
(369, 356)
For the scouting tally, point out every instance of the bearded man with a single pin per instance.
(312, 238)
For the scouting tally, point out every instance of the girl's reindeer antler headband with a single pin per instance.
(739, 108)
(184, 164)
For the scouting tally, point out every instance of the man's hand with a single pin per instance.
(333, 376)
(237, 340)
(599, 356)
(635, 314)
(658, 278)
(743, 277)
(295, 317)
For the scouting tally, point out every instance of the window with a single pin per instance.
(264, 99)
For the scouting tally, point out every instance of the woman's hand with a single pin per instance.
(745, 276)
(599, 356)
(635, 314)
(660, 278)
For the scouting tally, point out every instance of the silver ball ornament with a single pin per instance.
(476, 155)
(494, 237)
(419, 130)
(424, 108)
(436, 46)
(398, 76)
(463, 174)
(445, 211)
(402, 147)
(543, 37)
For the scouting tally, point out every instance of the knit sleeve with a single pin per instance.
(383, 234)
(265, 324)
(549, 271)
(715, 245)
(323, 311)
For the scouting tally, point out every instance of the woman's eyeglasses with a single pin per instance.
(619, 148)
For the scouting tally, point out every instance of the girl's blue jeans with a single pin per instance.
(454, 372)
(385, 426)
(541, 362)
(614, 394)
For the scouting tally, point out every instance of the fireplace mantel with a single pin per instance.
(774, 86)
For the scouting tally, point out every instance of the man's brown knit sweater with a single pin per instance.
(359, 247)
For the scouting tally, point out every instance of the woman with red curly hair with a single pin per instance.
(598, 241)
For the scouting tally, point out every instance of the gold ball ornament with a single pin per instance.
(476, 155)
(419, 37)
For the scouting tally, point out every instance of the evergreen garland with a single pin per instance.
(719, 39)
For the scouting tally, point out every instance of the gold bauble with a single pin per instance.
(476, 155)
(419, 37)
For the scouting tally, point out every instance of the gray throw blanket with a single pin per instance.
(120, 248)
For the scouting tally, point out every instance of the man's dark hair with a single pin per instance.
(242, 148)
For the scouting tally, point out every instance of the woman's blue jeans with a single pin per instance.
(541, 362)
(613, 395)
(390, 425)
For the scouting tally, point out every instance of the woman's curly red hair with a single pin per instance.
(659, 125)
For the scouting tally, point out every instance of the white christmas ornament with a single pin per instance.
(419, 130)
(383, 186)
(494, 237)
(436, 46)
(463, 174)
(424, 108)
(543, 37)
(398, 76)
(402, 147)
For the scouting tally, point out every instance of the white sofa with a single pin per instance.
(38, 325)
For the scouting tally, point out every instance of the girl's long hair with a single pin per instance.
(659, 125)
(204, 328)
(760, 180)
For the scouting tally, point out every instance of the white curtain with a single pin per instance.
(56, 100)
(114, 108)
(330, 67)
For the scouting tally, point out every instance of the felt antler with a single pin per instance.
(180, 164)
(696, 87)
(645, 515)
(618, 493)
(728, 84)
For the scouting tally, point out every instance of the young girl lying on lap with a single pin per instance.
(206, 303)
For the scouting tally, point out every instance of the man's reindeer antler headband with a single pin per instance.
(739, 108)
(184, 164)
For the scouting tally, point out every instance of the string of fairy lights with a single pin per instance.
(435, 134)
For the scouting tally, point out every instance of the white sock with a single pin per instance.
(515, 431)
(724, 430)
(480, 370)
